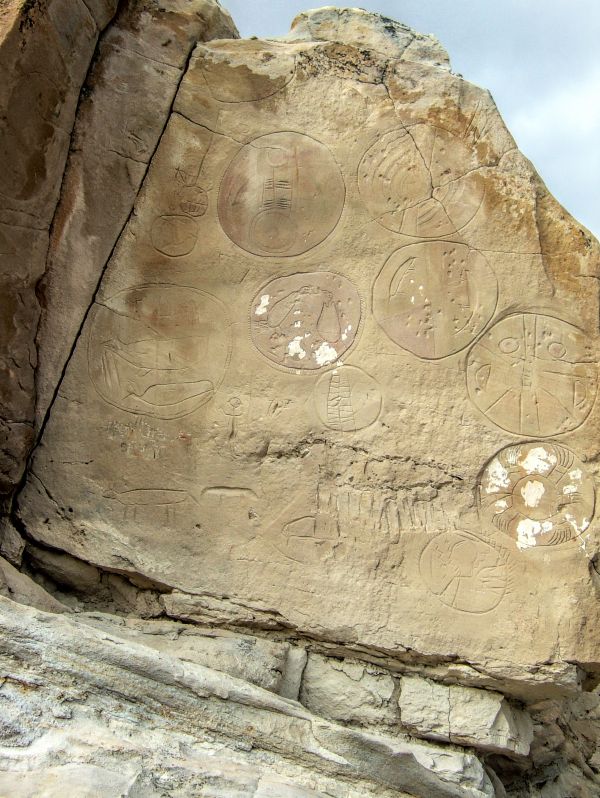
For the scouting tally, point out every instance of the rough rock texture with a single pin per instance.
(311, 511)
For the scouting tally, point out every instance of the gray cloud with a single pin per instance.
(538, 58)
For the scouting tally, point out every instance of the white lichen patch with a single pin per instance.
(498, 477)
(538, 461)
(576, 474)
(295, 349)
(568, 489)
(532, 492)
(345, 333)
(264, 304)
(325, 354)
(501, 505)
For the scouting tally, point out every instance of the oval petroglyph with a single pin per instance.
(159, 350)
(538, 493)
(533, 375)
(282, 194)
(305, 321)
(434, 298)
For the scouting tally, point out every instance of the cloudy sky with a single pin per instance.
(539, 58)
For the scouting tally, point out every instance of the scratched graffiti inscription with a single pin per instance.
(305, 321)
(158, 350)
(281, 195)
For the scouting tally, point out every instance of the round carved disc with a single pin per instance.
(434, 298)
(281, 195)
(421, 183)
(533, 375)
(159, 350)
(305, 321)
(347, 399)
(538, 493)
(464, 572)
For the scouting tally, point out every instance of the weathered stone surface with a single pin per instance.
(464, 715)
(313, 509)
(124, 108)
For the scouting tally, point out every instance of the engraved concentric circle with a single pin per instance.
(538, 493)
(533, 375)
(159, 350)
(305, 321)
(434, 298)
(421, 182)
(282, 194)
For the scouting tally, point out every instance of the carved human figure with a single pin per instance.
(540, 494)
(159, 350)
(434, 298)
(306, 320)
(533, 374)
(281, 195)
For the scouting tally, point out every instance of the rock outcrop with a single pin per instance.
(304, 358)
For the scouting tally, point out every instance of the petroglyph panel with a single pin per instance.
(419, 182)
(347, 399)
(307, 320)
(159, 350)
(282, 195)
(464, 572)
(538, 493)
(533, 375)
(434, 298)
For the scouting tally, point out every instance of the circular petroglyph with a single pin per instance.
(464, 572)
(434, 298)
(159, 350)
(305, 320)
(533, 375)
(174, 236)
(538, 493)
(347, 399)
(281, 195)
(421, 182)
(191, 200)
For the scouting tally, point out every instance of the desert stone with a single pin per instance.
(298, 419)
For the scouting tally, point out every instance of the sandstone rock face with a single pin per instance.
(312, 506)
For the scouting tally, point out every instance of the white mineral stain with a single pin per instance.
(538, 461)
(325, 354)
(295, 349)
(573, 521)
(264, 304)
(497, 477)
(569, 489)
(345, 333)
(532, 492)
(500, 505)
(576, 474)
(527, 529)
(297, 324)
